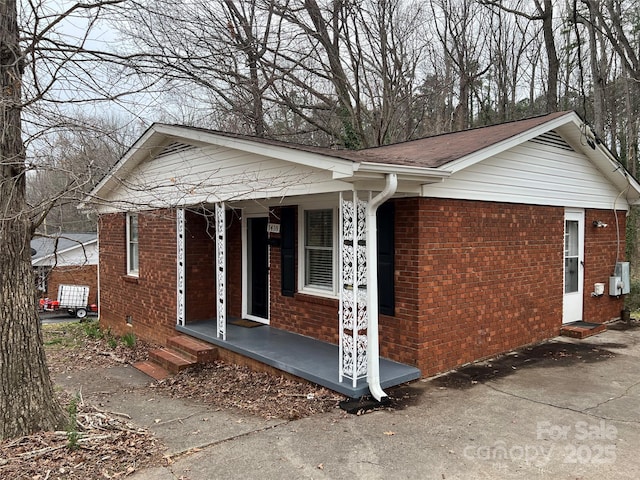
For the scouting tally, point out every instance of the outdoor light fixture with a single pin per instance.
(599, 224)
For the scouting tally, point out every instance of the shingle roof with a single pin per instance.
(441, 149)
(46, 246)
(430, 152)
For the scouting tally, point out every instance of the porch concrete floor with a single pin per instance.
(302, 356)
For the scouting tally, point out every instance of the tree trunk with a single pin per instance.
(27, 402)
(552, 55)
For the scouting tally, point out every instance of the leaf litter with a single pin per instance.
(107, 445)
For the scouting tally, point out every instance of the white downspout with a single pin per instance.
(373, 350)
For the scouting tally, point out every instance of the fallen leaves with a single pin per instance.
(106, 447)
(258, 393)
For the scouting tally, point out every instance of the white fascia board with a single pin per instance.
(475, 157)
(421, 175)
(341, 168)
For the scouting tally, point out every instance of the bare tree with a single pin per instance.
(66, 164)
(616, 20)
(543, 11)
(509, 39)
(42, 71)
(215, 46)
(465, 44)
(323, 72)
(27, 401)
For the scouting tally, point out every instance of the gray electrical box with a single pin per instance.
(622, 271)
(615, 286)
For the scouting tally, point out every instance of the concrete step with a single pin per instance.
(193, 349)
(171, 361)
(582, 331)
(152, 369)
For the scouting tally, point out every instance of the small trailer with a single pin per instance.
(72, 298)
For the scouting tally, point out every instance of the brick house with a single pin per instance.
(393, 262)
(65, 258)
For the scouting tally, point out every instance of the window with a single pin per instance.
(132, 244)
(42, 274)
(318, 249)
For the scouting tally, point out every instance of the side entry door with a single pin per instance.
(573, 266)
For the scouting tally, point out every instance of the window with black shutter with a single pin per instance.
(287, 250)
(386, 254)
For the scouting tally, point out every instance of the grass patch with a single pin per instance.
(64, 335)
(129, 339)
(92, 330)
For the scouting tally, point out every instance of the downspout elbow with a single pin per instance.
(373, 347)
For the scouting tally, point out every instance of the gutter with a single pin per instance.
(373, 347)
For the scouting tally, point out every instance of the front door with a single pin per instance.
(573, 266)
(257, 271)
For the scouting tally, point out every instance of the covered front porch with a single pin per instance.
(299, 355)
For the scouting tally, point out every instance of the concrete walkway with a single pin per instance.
(570, 410)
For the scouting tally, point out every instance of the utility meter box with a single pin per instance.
(622, 271)
(615, 286)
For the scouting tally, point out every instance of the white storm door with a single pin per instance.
(573, 266)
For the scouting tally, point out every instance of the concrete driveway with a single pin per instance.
(567, 409)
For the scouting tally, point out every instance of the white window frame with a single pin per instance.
(303, 287)
(133, 272)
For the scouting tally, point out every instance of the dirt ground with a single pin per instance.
(101, 444)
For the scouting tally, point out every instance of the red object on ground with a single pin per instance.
(51, 305)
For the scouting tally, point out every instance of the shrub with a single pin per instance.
(632, 300)
(92, 330)
(129, 339)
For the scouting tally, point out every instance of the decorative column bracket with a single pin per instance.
(353, 316)
(221, 275)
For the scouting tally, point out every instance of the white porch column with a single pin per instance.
(180, 263)
(352, 312)
(221, 274)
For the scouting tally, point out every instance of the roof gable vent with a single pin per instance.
(552, 139)
(174, 147)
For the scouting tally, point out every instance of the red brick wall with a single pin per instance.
(200, 278)
(472, 279)
(149, 299)
(600, 258)
(200, 294)
(490, 278)
(234, 264)
(313, 316)
(73, 275)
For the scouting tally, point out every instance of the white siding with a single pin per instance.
(211, 174)
(532, 173)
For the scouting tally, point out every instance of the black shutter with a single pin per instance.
(386, 254)
(287, 250)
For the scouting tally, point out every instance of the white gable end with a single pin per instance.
(541, 171)
(188, 175)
